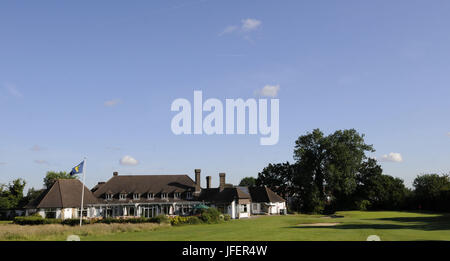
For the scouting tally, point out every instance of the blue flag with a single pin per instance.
(77, 169)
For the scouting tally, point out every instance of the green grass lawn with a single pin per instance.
(353, 225)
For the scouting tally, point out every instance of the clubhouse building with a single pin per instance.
(152, 195)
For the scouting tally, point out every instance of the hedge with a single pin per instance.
(35, 220)
(209, 216)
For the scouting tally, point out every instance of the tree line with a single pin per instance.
(12, 194)
(333, 172)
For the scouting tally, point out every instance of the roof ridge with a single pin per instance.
(46, 195)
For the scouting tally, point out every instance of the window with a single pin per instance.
(243, 208)
(85, 212)
(188, 195)
(150, 196)
(176, 195)
(50, 213)
(108, 196)
(123, 196)
(163, 195)
(136, 196)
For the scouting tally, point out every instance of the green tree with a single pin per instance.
(12, 194)
(32, 194)
(330, 164)
(310, 156)
(345, 154)
(4, 197)
(381, 191)
(248, 181)
(52, 176)
(278, 177)
(432, 191)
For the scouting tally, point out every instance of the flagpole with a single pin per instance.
(82, 192)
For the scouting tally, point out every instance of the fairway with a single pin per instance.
(351, 225)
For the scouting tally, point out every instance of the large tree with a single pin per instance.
(248, 181)
(345, 154)
(52, 176)
(331, 163)
(278, 177)
(11, 195)
(325, 172)
(380, 191)
(432, 191)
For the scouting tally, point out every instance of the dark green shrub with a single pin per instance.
(363, 205)
(35, 220)
(127, 220)
(193, 220)
(226, 217)
(139, 220)
(75, 222)
(210, 216)
(160, 219)
(31, 220)
(52, 221)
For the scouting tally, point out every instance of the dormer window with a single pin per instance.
(176, 195)
(108, 196)
(163, 195)
(150, 196)
(136, 196)
(122, 196)
(189, 195)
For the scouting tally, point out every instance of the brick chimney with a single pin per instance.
(197, 180)
(222, 181)
(208, 182)
(115, 173)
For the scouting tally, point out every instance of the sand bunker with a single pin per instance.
(318, 225)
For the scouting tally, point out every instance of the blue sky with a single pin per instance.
(97, 78)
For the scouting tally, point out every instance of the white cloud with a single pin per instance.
(269, 91)
(12, 89)
(448, 134)
(112, 103)
(36, 148)
(229, 29)
(247, 25)
(2, 163)
(392, 157)
(129, 161)
(41, 162)
(250, 24)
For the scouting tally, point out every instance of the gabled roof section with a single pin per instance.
(64, 193)
(264, 194)
(228, 194)
(96, 187)
(143, 184)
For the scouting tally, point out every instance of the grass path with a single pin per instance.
(353, 225)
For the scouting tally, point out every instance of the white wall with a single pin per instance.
(41, 212)
(233, 210)
(66, 213)
(243, 214)
(255, 208)
(275, 208)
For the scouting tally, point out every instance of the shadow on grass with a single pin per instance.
(439, 222)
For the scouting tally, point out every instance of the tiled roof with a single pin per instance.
(143, 184)
(264, 194)
(64, 193)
